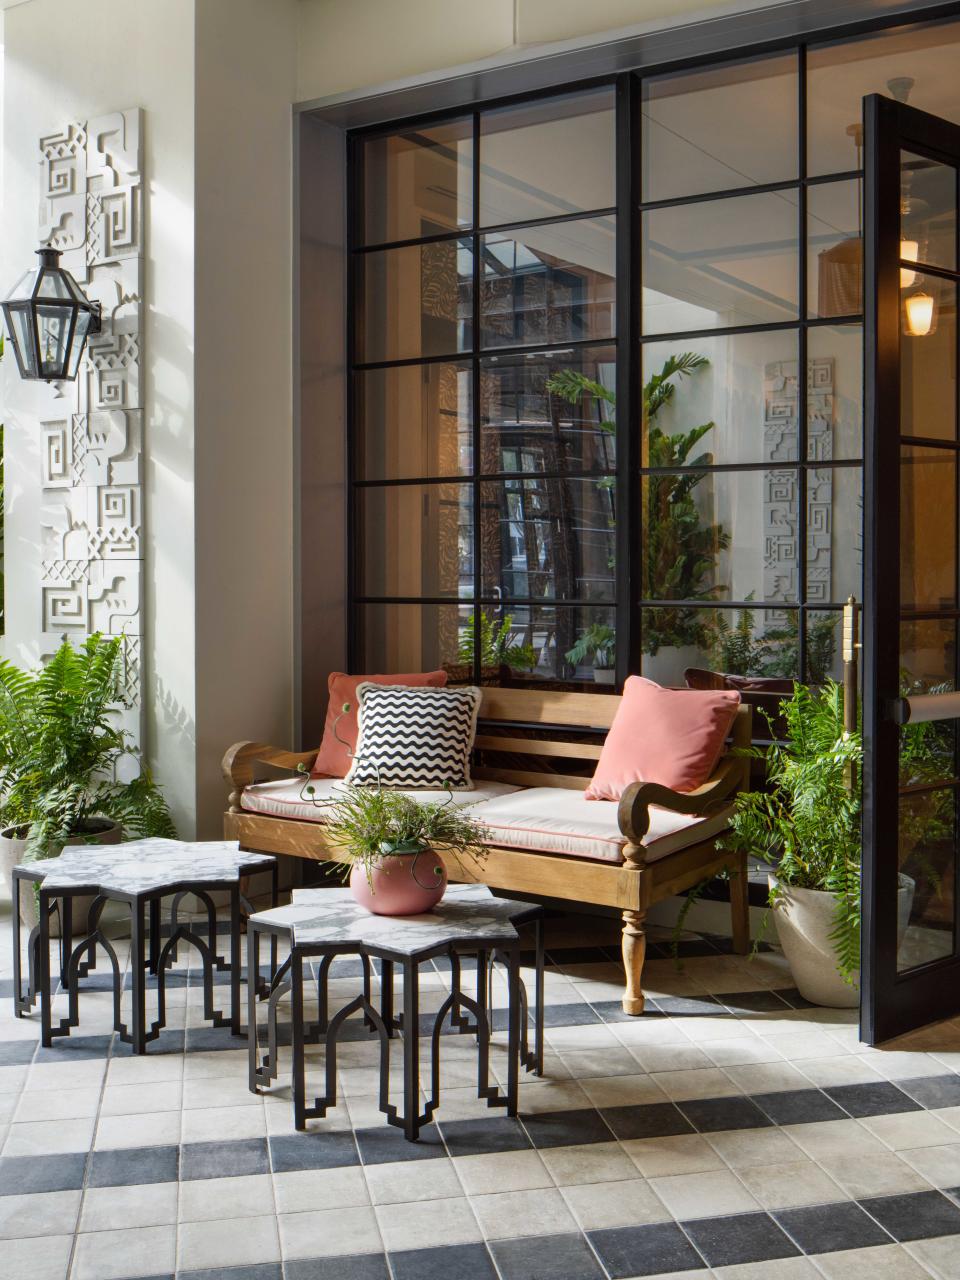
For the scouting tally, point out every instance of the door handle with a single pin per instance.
(924, 707)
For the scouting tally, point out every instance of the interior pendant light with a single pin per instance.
(909, 252)
(49, 319)
(921, 314)
(840, 268)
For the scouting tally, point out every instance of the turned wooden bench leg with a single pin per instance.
(740, 906)
(634, 952)
(634, 942)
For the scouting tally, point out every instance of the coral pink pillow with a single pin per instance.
(670, 736)
(333, 760)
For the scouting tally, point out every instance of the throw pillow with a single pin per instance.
(670, 736)
(415, 739)
(334, 759)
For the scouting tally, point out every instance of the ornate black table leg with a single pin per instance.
(386, 996)
(253, 983)
(138, 994)
(484, 1002)
(513, 1029)
(43, 977)
(411, 1050)
(154, 934)
(22, 1003)
(235, 961)
(299, 1070)
(538, 987)
(66, 935)
(274, 901)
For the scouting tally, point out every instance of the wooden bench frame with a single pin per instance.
(526, 718)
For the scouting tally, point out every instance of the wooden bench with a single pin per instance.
(524, 738)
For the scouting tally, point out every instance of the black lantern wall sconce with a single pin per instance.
(49, 319)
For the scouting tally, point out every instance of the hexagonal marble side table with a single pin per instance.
(326, 923)
(139, 873)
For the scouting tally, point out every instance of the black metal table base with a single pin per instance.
(150, 954)
(468, 1015)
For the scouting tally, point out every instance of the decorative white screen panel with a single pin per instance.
(91, 209)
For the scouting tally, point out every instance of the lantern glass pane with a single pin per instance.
(53, 326)
(21, 331)
(52, 285)
(24, 287)
(76, 347)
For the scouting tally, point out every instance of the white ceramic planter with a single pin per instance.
(604, 675)
(805, 921)
(667, 665)
(12, 849)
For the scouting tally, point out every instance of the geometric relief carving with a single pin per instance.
(91, 208)
(781, 499)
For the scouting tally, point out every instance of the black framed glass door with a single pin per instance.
(911, 862)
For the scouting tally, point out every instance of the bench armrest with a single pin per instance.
(634, 812)
(239, 763)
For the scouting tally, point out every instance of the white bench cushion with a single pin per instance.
(558, 820)
(541, 819)
(284, 799)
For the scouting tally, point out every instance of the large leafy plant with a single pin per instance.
(60, 744)
(739, 651)
(679, 549)
(807, 823)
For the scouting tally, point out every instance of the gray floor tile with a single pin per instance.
(564, 1257)
(464, 1261)
(224, 1159)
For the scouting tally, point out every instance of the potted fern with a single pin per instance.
(806, 825)
(60, 747)
(501, 653)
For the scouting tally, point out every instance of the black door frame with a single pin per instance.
(891, 1003)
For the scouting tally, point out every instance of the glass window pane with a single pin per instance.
(725, 399)
(414, 637)
(549, 284)
(542, 643)
(928, 655)
(928, 213)
(834, 534)
(720, 128)
(417, 301)
(915, 64)
(544, 159)
(548, 539)
(412, 421)
(759, 643)
(834, 392)
(727, 535)
(23, 333)
(720, 263)
(417, 540)
(551, 412)
(418, 182)
(928, 843)
(928, 359)
(824, 629)
(834, 250)
(928, 528)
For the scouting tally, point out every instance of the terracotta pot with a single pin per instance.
(407, 881)
(92, 831)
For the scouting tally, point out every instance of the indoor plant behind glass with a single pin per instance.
(680, 549)
(59, 750)
(599, 642)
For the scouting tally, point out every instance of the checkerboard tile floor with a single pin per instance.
(731, 1132)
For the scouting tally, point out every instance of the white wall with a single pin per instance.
(215, 79)
(60, 66)
(244, 383)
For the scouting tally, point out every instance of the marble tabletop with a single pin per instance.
(145, 866)
(331, 916)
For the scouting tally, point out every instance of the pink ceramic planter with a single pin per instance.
(404, 883)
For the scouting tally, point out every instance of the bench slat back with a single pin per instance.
(524, 736)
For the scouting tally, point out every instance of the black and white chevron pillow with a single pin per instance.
(414, 738)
